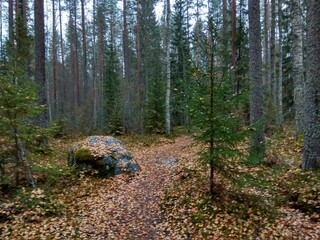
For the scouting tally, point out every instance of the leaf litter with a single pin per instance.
(167, 199)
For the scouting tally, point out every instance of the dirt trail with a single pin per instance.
(132, 209)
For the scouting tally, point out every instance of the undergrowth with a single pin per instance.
(269, 200)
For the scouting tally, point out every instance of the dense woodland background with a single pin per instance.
(106, 62)
(113, 67)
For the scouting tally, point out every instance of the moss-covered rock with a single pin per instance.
(104, 153)
(84, 155)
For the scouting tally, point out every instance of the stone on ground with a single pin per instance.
(103, 153)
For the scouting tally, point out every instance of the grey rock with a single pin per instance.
(104, 153)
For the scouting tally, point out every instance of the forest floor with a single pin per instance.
(167, 199)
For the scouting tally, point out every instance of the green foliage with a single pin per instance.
(83, 155)
(213, 114)
(18, 107)
(113, 110)
(155, 109)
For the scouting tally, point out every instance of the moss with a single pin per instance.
(83, 155)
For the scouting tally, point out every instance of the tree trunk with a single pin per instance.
(127, 70)
(1, 31)
(234, 31)
(273, 52)
(255, 75)
(279, 95)
(84, 50)
(139, 90)
(210, 66)
(266, 77)
(297, 64)
(40, 71)
(94, 68)
(311, 149)
(76, 55)
(54, 59)
(11, 25)
(22, 157)
(168, 67)
(62, 58)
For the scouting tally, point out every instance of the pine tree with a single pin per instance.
(297, 64)
(40, 72)
(311, 150)
(255, 75)
(181, 63)
(167, 38)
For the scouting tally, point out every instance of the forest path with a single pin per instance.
(131, 210)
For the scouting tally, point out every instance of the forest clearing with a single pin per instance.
(167, 199)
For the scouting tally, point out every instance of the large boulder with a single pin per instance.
(104, 153)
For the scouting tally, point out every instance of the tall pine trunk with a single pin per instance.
(127, 70)
(234, 47)
(11, 26)
(266, 63)
(279, 89)
(40, 71)
(273, 53)
(1, 29)
(63, 78)
(84, 60)
(255, 75)
(297, 64)
(76, 60)
(168, 70)
(311, 149)
(54, 59)
(210, 66)
(139, 80)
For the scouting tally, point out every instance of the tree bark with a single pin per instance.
(76, 55)
(54, 58)
(311, 149)
(127, 69)
(273, 52)
(1, 29)
(279, 89)
(62, 57)
(40, 71)
(297, 64)
(255, 75)
(84, 50)
(139, 90)
(168, 67)
(267, 77)
(234, 32)
(11, 24)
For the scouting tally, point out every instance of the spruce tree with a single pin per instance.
(213, 113)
